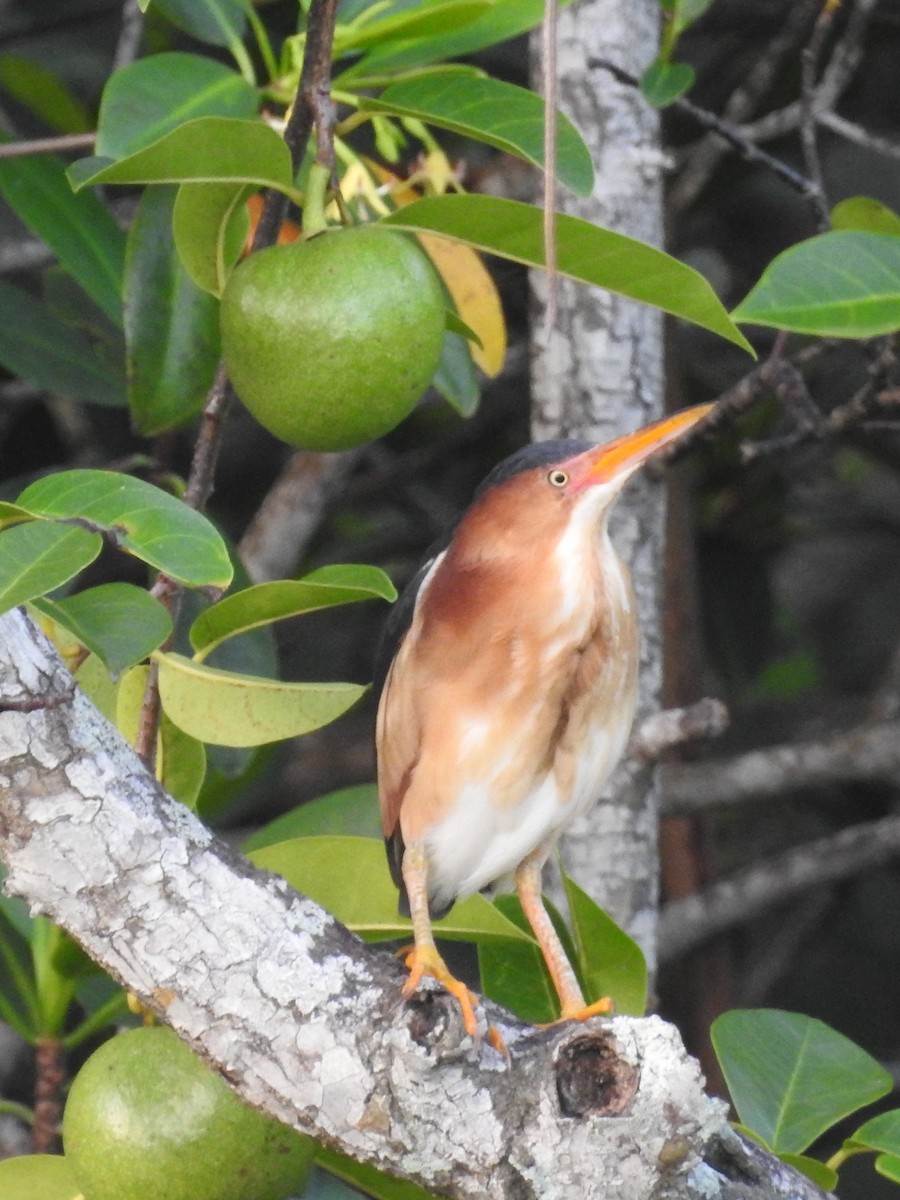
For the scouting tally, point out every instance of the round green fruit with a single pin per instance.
(330, 342)
(146, 1118)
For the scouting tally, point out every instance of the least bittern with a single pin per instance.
(509, 674)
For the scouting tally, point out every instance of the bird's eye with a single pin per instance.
(557, 478)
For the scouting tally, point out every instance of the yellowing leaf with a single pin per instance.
(129, 701)
(180, 759)
(224, 708)
(474, 295)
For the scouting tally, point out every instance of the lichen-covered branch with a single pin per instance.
(306, 1021)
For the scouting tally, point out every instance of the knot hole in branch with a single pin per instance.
(592, 1079)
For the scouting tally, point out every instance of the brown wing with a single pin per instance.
(397, 740)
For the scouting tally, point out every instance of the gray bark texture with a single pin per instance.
(305, 1021)
(598, 375)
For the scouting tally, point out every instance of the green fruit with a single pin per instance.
(146, 1118)
(331, 342)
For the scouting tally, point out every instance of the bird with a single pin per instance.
(506, 679)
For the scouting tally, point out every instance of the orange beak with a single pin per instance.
(617, 460)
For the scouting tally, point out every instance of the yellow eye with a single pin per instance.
(557, 478)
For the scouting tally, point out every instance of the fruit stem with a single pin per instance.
(314, 208)
(51, 1076)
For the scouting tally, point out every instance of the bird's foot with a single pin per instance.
(583, 1012)
(425, 960)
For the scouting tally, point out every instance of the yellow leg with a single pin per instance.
(423, 958)
(571, 1000)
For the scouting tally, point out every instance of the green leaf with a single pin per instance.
(844, 284)
(584, 251)
(205, 150)
(505, 19)
(502, 115)
(821, 1175)
(268, 602)
(18, 994)
(11, 514)
(153, 96)
(515, 975)
(610, 962)
(118, 622)
(129, 702)
(48, 1176)
(422, 21)
(181, 763)
(39, 556)
(66, 300)
(456, 377)
(349, 877)
(38, 347)
(68, 959)
(455, 324)
(16, 911)
(364, 1177)
(862, 212)
(881, 1133)
(227, 709)
(888, 1165)
(219, 22)
(171, 326)
(209, 225)
(664, 82)
(77, 228)
(146, 522)
(180, 759)
(352, 810)
(791, 1077)
(44, 94)
(99, 687)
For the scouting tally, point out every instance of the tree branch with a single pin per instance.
(306, 1022)
(687, 922)
(292, 512)
(865, 753)
(699, 162)
(732, 134)
(836, 77)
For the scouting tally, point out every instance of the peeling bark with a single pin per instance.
(305, 1021)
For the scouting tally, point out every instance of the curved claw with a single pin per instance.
(425, 960)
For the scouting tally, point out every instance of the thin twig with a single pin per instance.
(700, 161)
(809, 60)
(855, 413)
(836, 77)
(315, 78)
(732, 134)
(64, 144)
(129, 43)
(756, 384)
(861, 137)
